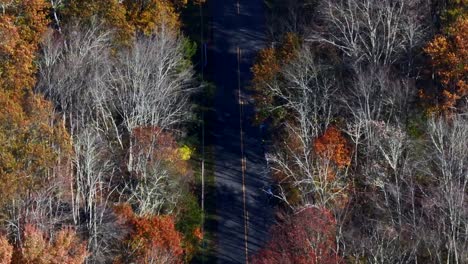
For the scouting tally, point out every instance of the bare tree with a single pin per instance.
(157, 189)
(372, 31)
(305, 92)
(73, 73)
(287, 16)
(449, 168)
(406, 215)
(388, 167)
(91, 187)
(55, 5)
(152, 84)
(377, 94)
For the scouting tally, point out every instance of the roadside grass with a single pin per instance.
(203, 102)
(206, 252)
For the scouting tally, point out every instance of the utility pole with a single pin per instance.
(202, 53)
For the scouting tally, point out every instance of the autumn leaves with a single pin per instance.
(93, 98)
(449, 56)
(354, 141)
(30, 137)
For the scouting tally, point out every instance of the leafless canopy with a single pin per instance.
(372, 31)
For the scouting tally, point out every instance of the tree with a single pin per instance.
(126, 17)
(75, 70)
(22, 23)
(285, 16)
(306, 237)
(333, 146)
(150, 239)
(159, 172)
(387, 170)
(30, 138)
(6, 250)
(111, 13)
(372, 32)
(149, 16)
(305, 97)
(92, 186)
(449, 169)
(267, 71)
(152, 85)
(29, 145)
(36, 248)
(449, 54)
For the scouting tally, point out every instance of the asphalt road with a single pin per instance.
(243, 212)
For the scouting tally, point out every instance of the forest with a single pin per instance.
(366, 104)
(94, 157)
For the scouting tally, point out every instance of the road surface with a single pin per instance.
(243, 213)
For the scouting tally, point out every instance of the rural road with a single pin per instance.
(242, 210)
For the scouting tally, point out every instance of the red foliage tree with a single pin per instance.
(155, 143)
(307, 237)
(151, 239)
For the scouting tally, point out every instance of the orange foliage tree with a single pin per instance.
(21, 28)
(449, 56)
(308, 237)
(150, 16)
(111, 13)
(126, 17)
(29, 145)
(6, 251)
(151, 239)
(332, 145)
(30, 142)
(270, 59)
(267, 68)
(36, 248)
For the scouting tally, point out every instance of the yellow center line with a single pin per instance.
(243, 159)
